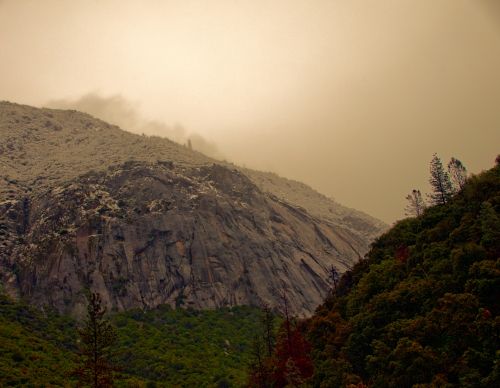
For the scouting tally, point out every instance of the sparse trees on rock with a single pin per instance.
(96, 339)
(334, 277)
(416, 204)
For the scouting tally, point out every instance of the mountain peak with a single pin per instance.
(146, 221)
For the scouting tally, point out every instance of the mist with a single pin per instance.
(349, 96)
(124, 113)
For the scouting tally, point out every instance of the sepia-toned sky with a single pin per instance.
(350, 96)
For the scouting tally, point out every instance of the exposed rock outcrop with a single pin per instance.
(170, 227)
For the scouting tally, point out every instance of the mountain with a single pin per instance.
(145, 221)
(423, 310)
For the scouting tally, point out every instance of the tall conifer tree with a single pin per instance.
(96, 339)
(442, 189)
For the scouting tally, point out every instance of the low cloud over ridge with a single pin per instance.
(118, 110)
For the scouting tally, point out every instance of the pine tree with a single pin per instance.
(263, 350)
(416, 204)
(259, 374)
(458, 174)
(96, 339)
(268, 326)
(440, 183)
(292, 362)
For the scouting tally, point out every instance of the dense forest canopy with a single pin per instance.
(423, 308)
(161, 347)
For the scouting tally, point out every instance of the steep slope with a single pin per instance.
(145, 222)
(48, 145)
(318, 205)
(424, 308)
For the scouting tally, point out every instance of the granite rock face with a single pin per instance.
(190, 233)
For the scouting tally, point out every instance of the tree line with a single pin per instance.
(444, 185)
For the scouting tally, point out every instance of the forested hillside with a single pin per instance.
(423, 309)
(157, 348)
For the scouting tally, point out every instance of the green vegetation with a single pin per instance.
(187, 348)
(423, 309)
(35, 348)
(163, 347)
(95, 347)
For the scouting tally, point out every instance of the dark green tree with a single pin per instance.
(416, 204)
(259, 373)
(490, 228)
(97, 337)
(442, 189)
(262, 350)
(458, 174)
(268, 326)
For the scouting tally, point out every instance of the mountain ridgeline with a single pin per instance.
(145, 222)
(423, 309)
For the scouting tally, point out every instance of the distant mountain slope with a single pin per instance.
(318, 204)
(48, 145)
(424, 309)
(146, 221)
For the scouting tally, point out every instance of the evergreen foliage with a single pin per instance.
(162, 347)
(36, 348)
(423, 309)
(442, 188)
(96, 340)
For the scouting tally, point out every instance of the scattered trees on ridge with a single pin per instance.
(444, 185)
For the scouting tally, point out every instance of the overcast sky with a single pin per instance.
(350, 96)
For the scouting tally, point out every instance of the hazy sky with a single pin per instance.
(350, 96)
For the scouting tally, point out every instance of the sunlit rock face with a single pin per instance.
(158, 230)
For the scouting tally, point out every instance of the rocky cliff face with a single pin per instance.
(171, 226)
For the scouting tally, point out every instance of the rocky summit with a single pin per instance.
(145, 221)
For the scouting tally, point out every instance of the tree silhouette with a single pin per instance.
(96, 339)
(268, 326)
(262, 350)
(416, 204)
(260, 365)
(292, 364)
(442, 188)
(458, 174)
